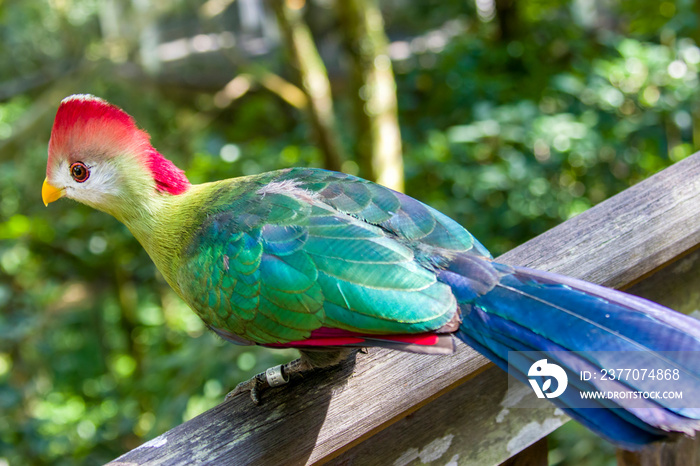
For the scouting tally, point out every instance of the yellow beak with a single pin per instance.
(50, 193)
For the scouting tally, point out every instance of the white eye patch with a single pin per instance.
(101, 183)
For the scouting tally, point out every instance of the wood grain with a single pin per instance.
(615, 243)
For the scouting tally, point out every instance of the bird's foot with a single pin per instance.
(273, 377)
(254, 386)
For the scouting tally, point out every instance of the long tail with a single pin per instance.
(567, 321)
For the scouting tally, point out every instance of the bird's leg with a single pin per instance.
(282, 374)
(273, 377)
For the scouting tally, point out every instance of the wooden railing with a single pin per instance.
(402, 409)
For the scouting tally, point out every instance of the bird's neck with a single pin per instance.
(163, 224)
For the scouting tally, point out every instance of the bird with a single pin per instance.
(329, 263)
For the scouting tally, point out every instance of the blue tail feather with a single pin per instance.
(499, 340)
(517, 309)
(613, 425)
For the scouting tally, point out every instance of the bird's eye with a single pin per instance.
(79, 171)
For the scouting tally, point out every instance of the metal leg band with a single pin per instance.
(275, 376)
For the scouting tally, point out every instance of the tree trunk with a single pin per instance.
(378, 139)
(313, 78)
(508, 21)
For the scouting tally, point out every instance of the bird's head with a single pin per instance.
(99, 157)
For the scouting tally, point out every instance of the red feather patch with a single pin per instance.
(336, 337)
(167, 176)
(85, 123)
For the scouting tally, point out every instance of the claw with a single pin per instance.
(255, 386)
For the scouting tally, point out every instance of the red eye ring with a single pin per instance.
(79, 171)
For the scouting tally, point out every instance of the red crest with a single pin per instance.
(85, 123)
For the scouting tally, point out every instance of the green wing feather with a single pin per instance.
(301, 249)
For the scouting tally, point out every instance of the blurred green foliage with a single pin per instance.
(512, 122)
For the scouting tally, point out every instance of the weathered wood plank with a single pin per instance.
(615, 243)
(676, 286)
(474, 424)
